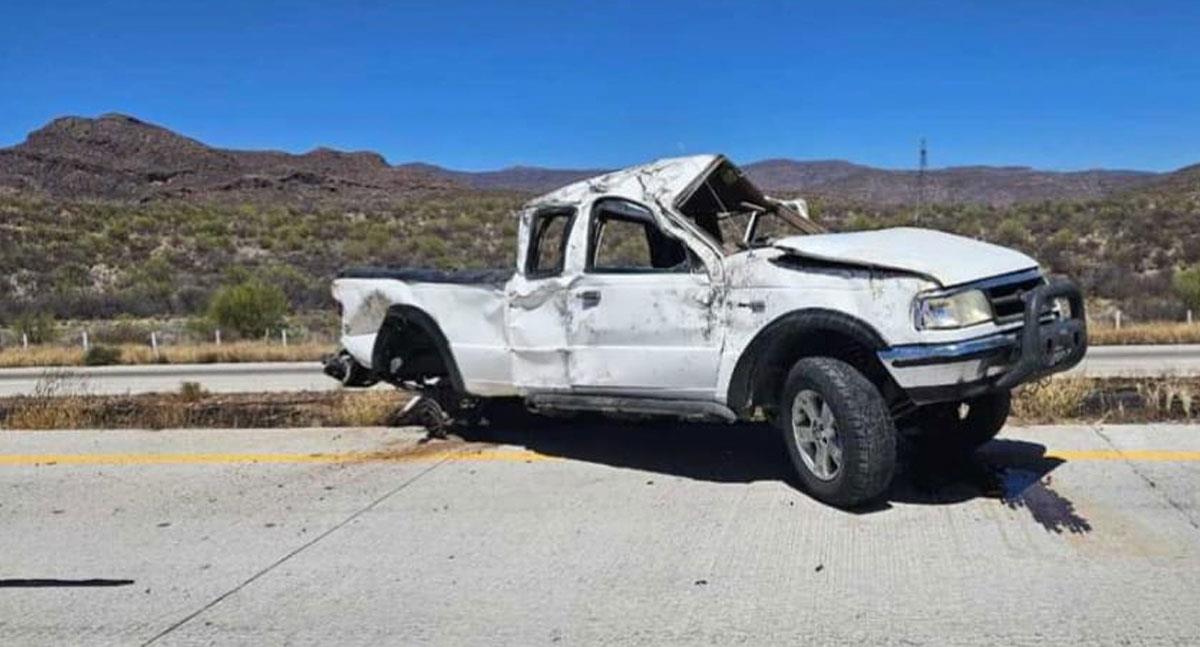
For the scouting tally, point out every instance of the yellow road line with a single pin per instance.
(453, 455)
(459, 455)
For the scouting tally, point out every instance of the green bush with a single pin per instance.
(248, 308)
(1187, 286)
(39, 327)
(99, 355)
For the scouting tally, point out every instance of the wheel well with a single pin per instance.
(764, 365)
(411, 335)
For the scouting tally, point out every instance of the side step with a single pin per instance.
(687, 409)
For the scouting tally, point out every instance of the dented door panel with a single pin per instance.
(536, 323)
(654, 333)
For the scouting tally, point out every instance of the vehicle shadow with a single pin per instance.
(1016, 472)
(41, 583)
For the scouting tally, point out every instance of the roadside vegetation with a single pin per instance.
(1156, 332)
(103, 355)
(251, 270)
(61, 401)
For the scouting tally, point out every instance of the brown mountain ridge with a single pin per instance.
(117, 157)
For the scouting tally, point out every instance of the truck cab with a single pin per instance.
(678, 288)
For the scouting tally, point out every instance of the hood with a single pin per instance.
(946, 258)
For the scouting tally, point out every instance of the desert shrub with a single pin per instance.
(100, 355)
(1011, 232)
(248, 308)
(1187, 286)
(39, 327)
(199, 329)
(125, 330)
(192, 392)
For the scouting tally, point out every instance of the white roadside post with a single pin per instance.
(283, 336)
(25, 341)
(1189, 316)
(1117, 319)
(218, 333)
(154, 343)
(85, 341)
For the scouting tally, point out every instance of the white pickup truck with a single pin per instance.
(677, 288)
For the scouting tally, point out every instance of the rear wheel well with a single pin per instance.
(411, 347)
(763, 368)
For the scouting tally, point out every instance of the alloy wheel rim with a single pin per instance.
(815, 431)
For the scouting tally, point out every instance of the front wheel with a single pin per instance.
(838, 432)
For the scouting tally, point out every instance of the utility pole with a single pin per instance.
(922, 163)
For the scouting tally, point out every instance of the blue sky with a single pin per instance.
(474, 85)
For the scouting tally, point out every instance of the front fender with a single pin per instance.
(807, 331)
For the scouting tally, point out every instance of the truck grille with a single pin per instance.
(1005, 295)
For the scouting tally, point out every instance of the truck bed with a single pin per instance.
(488, 277)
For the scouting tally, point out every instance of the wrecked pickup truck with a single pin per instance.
(677, 288)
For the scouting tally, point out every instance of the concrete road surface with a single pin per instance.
(590, 534)
(1101, 361)
(217, 378)
(1133, 361)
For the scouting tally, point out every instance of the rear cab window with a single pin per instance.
(549, 233)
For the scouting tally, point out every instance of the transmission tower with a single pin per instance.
(924, 158)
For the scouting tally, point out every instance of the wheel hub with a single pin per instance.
(815, 431)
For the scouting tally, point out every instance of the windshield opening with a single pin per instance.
(736, 215)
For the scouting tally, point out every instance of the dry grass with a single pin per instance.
(1128, 400)
(254, 351)
(1052, 399)
(62, 401)
(59, 401)
(1169, 397)
(367, 408)
(1157, 332)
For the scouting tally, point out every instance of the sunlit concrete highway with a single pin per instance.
(589, 533)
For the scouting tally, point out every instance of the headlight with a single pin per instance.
(957, 310)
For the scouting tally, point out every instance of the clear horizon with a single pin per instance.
(482, 87)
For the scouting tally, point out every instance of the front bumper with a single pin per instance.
(964, 369)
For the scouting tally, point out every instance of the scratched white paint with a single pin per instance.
(677, 335)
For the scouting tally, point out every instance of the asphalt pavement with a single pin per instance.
(590, 533)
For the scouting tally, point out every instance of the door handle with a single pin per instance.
(590, 298)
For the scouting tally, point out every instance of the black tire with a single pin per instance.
(951, 425)
(864, 432)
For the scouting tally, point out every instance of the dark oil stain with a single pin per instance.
(1017, 473)
(1024, 488)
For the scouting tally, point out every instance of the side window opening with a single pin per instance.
(623, 238)
(549, 233)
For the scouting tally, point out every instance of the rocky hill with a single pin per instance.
(116, 157)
